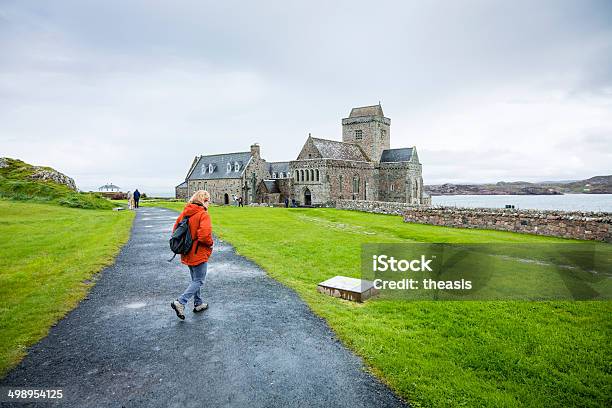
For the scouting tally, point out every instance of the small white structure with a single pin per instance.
(109, 188)
(347, 288)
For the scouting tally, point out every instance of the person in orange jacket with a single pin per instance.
(197, 258)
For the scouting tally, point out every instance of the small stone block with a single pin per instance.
(356, 290)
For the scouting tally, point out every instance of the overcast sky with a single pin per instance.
(130, 91)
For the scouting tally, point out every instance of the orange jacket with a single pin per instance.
(201, 233)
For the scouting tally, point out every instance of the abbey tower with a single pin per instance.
(368, 127)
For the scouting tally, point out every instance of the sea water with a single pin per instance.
(565, 202)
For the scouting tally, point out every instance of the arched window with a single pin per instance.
(317, 174)
(302, 175)
(307, 175)
(229, 167)
(273, 174)
(297, 175)
(312, 175)
(203, 170)
(340, 182)
(236, 166)
(281, 175)
(356, 184)
(211, 168)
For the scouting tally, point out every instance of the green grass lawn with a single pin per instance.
(48, 257)
(433, 354)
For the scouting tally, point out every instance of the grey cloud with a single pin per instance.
(113, 88)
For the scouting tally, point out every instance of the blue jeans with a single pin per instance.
(198, 274)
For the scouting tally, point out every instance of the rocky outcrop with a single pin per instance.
(3, 162)
(49, 174)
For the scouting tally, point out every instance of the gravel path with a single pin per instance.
(258, 345)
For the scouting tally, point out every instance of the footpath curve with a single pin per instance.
(258, 344)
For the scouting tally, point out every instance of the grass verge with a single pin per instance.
(48, 256)
(433, 354)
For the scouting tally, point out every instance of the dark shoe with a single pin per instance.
(200, 308)
(178, 308)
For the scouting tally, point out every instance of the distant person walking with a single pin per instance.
(240, 204)
(197, 258)
(130, 200)
(136, 198)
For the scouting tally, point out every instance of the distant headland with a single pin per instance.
(593, 185)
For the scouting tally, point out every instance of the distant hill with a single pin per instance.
(23, 181)
(593, 185)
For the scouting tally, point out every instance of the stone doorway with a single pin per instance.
(226, 199)
(307, 197)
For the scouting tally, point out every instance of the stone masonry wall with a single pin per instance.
(335, 179)
(576, 225)
(341, 179)
(217, 188)
(595, 226)
(379, 207)
(259, 167)
(180, 193)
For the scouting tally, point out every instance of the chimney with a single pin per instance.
(255, 150)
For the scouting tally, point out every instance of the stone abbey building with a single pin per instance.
(360, 167)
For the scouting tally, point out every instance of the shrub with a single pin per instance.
(118, 196)
(90, 201)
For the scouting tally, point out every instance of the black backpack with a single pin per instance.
(181, 241)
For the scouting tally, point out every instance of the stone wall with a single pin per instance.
(217, 189)
(379, 207)
(285, 186)
(344, 176)
(331, 173)
(319, 190)
(181, 192)
(401, 182)
(577, 225)
(257, 166)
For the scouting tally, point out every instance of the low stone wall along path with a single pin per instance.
(258, 345)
